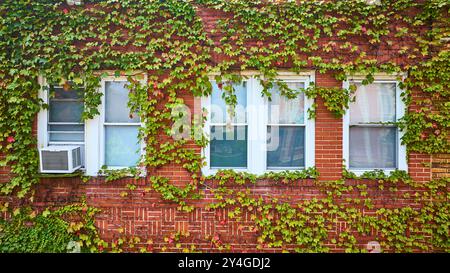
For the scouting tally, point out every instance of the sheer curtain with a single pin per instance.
(373, 144)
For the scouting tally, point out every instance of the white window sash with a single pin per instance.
(43, 133)
(257, 126)
(402, 163)
(95, 132)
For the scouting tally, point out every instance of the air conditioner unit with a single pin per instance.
(60, 159)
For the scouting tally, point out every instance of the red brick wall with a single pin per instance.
(441, 166)
(328, 135)
(145, 214)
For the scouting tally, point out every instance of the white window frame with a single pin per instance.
(257, 125)
(43, 122)
(93, 129)
(95, 133)
(400, 108)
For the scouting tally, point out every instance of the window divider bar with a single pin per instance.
(373, 125)
(284, 124)
(66, 132)
(65, 100)
(225, 124)
(121, 124)
(66, 143)
(65, 123)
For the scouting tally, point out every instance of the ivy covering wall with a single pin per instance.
(167, 40)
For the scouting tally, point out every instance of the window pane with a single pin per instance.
(121, 146)
(287, 111)
(116, 103)
(228, 147)
(373, 147)
(67, 137)
(373, 103)
(65, 111)
(60, 93)
(66, 106)
(66, 128)
(285, 146)
(218, 106)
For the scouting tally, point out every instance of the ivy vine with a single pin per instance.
(169, 41)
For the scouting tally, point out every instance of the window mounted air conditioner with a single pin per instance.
(60, 159)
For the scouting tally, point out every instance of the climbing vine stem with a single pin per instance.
(170, 42)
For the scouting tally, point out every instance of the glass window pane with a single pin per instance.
(218, 106)
(373, 103)
(228, 147)
(121, 146)
(116, 103)
(76, 128)
(65, 111)
(60, 93)
(67, 137)
(285, 146)
(287, 111)
(373, 147)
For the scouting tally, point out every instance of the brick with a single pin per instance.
(152, 217)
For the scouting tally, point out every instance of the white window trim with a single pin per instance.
(399, 111)
(93, 129)
(95, 135)
(43, 120)
(257, 126)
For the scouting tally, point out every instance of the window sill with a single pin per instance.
(279, 170)
(77, 173)
(360, 172)
(121, 172)
(213, 171)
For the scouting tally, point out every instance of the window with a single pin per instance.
(109, 139)
(112, 137)
(371, 137)
(264, 134)
(61, 123)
